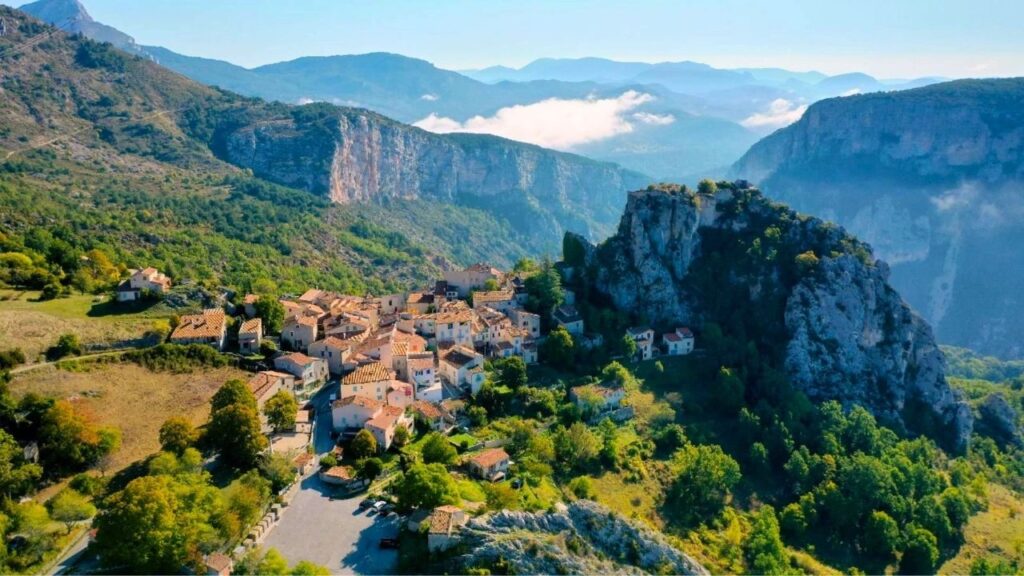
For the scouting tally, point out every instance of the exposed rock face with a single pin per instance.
(999, 420)
(586, 538)
(355, 156)
(840, 331)
(933, 179)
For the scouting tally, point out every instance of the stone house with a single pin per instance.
(644, 338)
(250, 335)
(384, 424)
(141, 281)
(371, 380)
(472, 277)
(445, 522)
(209, 327)
(299, 332)
(353, 412)
(307, 371)
(491, 464)
(334, 351)
(462, 367)
(569, 318)
(678, 342)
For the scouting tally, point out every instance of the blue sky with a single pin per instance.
(886, 38)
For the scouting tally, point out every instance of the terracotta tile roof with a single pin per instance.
(254, 327)
(489, 457)
(386, 418)
(418, 364)
(458, 316)
(420, 298)
(250, 299)
(399, 349)
(342, 472)
(335, 342)
(372, 372)
(219, 562)
(442, 519)
(208, 324)
(482, 267)
(358, 400)
(673, 337)
(427, 410)
(684, 332)
(310, 295)
(493, 296)
(261, 383)
(303, 459)
(299, 358)
(302, 320)
(459, 356)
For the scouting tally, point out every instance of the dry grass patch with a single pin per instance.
(997, 533)
(132, 398)
(35, 326)
(637, 500)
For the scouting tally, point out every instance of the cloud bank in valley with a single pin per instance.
(781, 112)
(557, 123)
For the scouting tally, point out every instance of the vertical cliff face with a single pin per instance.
(356, 156)
(933, 179)
(810, 296)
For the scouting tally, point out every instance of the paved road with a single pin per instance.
(333, 533)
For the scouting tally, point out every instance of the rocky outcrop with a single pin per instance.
(357, 156)
(807, 291)
(933, 179)
(998, 420)
(583, 538)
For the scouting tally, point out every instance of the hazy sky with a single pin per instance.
(886, 38)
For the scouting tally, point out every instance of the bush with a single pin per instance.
(328, 461)
(11, 358)
(67, 345)
(177, 358)
(582, 487)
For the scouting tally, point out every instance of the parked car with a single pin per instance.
(366, 503)
(379, 505)
(389, 543)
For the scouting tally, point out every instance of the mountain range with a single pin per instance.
(933, 179)
(694, 119)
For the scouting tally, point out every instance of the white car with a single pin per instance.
(379, 505)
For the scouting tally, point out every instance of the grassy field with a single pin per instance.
(996, 533)
(34, 326)
(131, 398)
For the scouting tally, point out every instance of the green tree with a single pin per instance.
(881, 535)
(558, 349)
(273, 564)
(793, 521)
(138, 531)
(363, 445)
(729, 391)
(626, 347)
(235, 432)
(920, 552)
(707, 186)
(271, 311)
(577, 446)
(32, 521)
(370, 468)
(401, 437)
(763, 549)
(17, 476)
(581, 487)
(706, 476)
(425, 486)
(278, 469)
(511, 372)
(177, 434)
(70, 507)
(544, 290)
(280, 411)
(437, 449)
(501, 496)
(67, 345)
(307, 568)
(69, 441)
(233, 391)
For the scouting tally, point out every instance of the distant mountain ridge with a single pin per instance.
(933, 179)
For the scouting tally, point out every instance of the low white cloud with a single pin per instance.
(303, 101)
(954, 199)
(781, 112)
(654, 119)
(429, 97)
(555, 122)
(851, 92)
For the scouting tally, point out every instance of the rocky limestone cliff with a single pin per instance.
(583, 538)
(355, 156)
(809, 295)
(933, 179)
